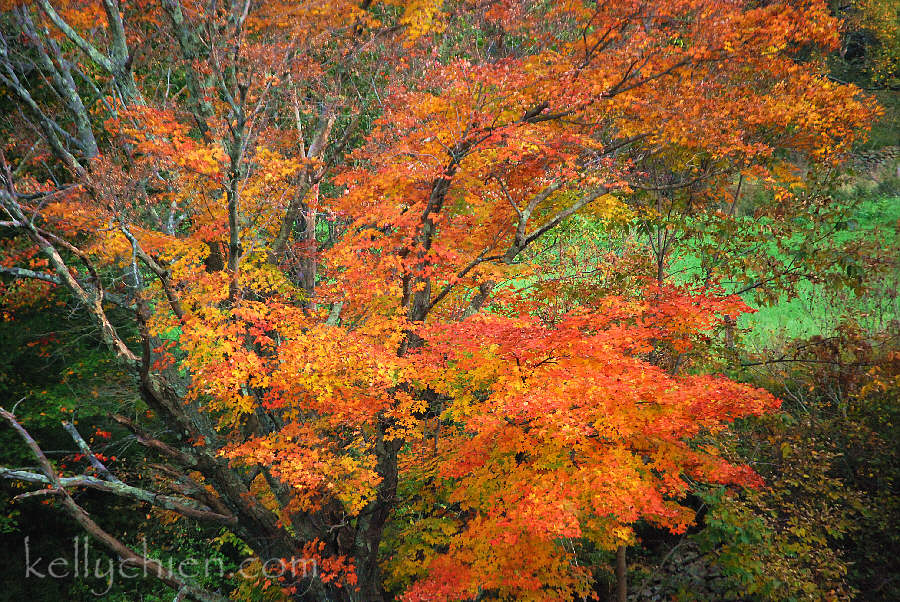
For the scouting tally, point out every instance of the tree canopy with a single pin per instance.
(310, 233)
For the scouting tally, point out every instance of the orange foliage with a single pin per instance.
(511, 434)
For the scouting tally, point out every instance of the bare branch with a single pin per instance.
(81, 516)
(93, 300)
(183, 506)
(152, 442)
(99, 466)
(522, 240)
(26, 273)
(95, 55)
(157, 269)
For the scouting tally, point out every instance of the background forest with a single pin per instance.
(751, 230)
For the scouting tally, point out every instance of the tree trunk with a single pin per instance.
(621, 575)
(371, 530)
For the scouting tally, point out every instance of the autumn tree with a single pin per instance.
(301, 227)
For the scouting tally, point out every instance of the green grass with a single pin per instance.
(814, 308)
(817, 309)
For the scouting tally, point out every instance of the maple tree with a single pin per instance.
(304, 229)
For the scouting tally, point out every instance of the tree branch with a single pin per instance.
(81, 516)
(95, 55)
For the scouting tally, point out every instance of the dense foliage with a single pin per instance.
(445, 298)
